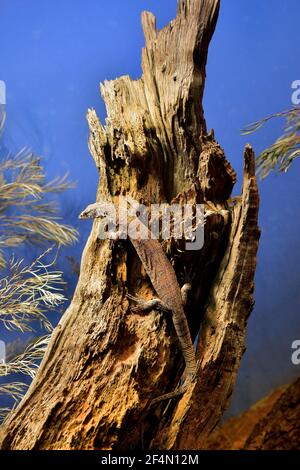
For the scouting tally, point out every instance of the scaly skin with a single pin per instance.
(164, 281)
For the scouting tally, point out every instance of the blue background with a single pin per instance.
(55, 53)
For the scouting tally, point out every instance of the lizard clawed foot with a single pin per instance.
(147, 305)
(185, 290)
(187, 287)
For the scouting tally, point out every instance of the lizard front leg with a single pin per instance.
(147, 305)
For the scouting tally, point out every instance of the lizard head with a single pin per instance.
(93, 211)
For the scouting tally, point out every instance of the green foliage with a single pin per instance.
(280, 155)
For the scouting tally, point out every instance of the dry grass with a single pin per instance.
(28, 214)
(15, 390)
(28, 292)
(27, 209)
(26, 363)
(280, 155)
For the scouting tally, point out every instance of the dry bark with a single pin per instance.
(105, 363)
(271, 424)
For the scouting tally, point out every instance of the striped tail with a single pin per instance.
(184, 336)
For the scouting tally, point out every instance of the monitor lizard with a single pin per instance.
(171, 297)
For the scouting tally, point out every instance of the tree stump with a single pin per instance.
(105, 363)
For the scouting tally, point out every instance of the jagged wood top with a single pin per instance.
(156, 121)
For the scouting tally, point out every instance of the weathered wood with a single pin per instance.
(106, 363)
(221, 342)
